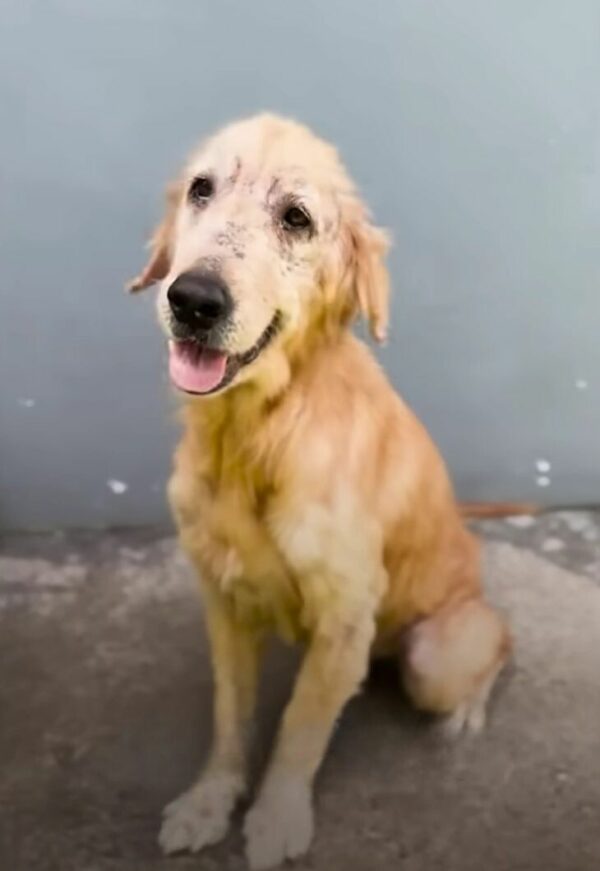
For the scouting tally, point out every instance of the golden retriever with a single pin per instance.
(307, 495)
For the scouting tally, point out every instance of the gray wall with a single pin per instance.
(471, 127)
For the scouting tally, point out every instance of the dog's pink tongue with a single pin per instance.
(195, 369)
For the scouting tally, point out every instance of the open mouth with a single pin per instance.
(196, 368)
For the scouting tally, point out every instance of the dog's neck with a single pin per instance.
(247, 424)
(273, 376)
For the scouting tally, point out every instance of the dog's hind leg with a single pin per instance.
(451, 659)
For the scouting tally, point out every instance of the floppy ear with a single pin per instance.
(160, 244)
(370, 279)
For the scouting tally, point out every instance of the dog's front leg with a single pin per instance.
(280, 823)
(201, 815)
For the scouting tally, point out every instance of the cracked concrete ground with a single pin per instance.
(105, 698)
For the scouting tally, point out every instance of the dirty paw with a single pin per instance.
(201, 815)
(279, 826)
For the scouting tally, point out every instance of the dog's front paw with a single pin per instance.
(279, 826)
(201, 815)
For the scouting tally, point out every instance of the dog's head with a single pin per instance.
(264, 243)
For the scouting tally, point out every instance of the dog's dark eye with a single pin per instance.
(201, 189)
(295, 218)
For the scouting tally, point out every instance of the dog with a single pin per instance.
(307, 495)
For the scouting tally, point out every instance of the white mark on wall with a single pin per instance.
(542, 468)
(26, 402)
(117, 487)
(581, 384)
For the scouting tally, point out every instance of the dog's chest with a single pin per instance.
(250, 523)
(225, 523)
(257, 578)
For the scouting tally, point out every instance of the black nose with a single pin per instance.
(199, 299)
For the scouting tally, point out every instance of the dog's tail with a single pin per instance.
(494, 510)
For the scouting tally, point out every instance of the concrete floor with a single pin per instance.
(105, 715)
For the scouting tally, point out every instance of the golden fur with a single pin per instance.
(308, 496)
